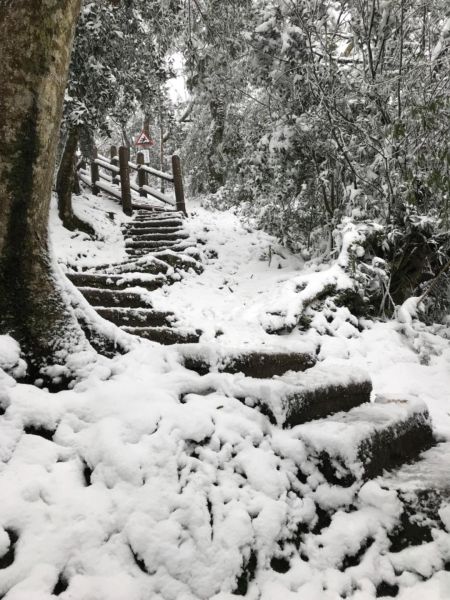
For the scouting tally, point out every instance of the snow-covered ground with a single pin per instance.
(160, 484)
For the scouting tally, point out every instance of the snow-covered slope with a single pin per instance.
(147, 480)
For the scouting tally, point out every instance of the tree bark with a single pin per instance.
(65, 181)
(35, 44)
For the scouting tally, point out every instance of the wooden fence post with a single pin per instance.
(178, 184)
(124, 157)
(141, 175)
(115, 162)
(95, 175)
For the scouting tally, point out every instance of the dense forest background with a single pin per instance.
(305, 116)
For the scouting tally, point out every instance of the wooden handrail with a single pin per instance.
(107, 165)
(120, 166)
(155, 172)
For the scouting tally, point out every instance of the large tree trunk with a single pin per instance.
(65, 181)
(35, 45)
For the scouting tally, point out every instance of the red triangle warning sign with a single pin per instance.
(143, 139)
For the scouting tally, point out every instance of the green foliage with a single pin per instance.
(337, 109)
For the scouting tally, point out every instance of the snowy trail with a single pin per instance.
(147, 480)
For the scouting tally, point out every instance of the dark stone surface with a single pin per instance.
(354, 559)
(87, 474)
(111, 299)
(42, 432)
(140, 229)
(386, 448)
(140, 252)
(396, 444)
(280, 565)
(155, 223)
(156, 237)
(8, 558)
(148, 244)
(155, 267)
(180, 263)
(254, 364)
(136, 318)
(415, 525)
(247, 575)
(165, 335)
(61, 585)
(387, 589)
(114, 282)
(318, 403)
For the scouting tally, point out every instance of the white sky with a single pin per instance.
(177, 86)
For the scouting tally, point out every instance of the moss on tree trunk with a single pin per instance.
(35, 43)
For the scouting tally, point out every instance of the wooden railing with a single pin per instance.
(112, 176)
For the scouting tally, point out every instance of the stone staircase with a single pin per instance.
(159, 250)
(329, 408)
(348, 437)
(384, 434)
(348, 440)
(155, 231)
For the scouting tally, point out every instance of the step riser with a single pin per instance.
(378, 443)
(142, 209)
(322, 402)
(139, 252)
(156, 237)
(156, 224)
(150, 245)
(152, 231)
(157, 216)
(158, 268)
(108, 299)
(258, 365)
(391, 449)
(134, 318)
(114, 282)
(178, 262)
(164, 336)
(146, 249)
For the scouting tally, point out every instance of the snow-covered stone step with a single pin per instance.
(116, 282)
(362, 442)
(180, 261)
(165, 335)
(128, 231)
(156, 250)
(160, 216)
(424, 490)
(132, 317)
(297, 397)
(149, 245)
(140, 252)
(112, 299)
(155, 223)
(157, 236)
(322, 399)
(142, 207)
(257, 364)
(150, 265)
